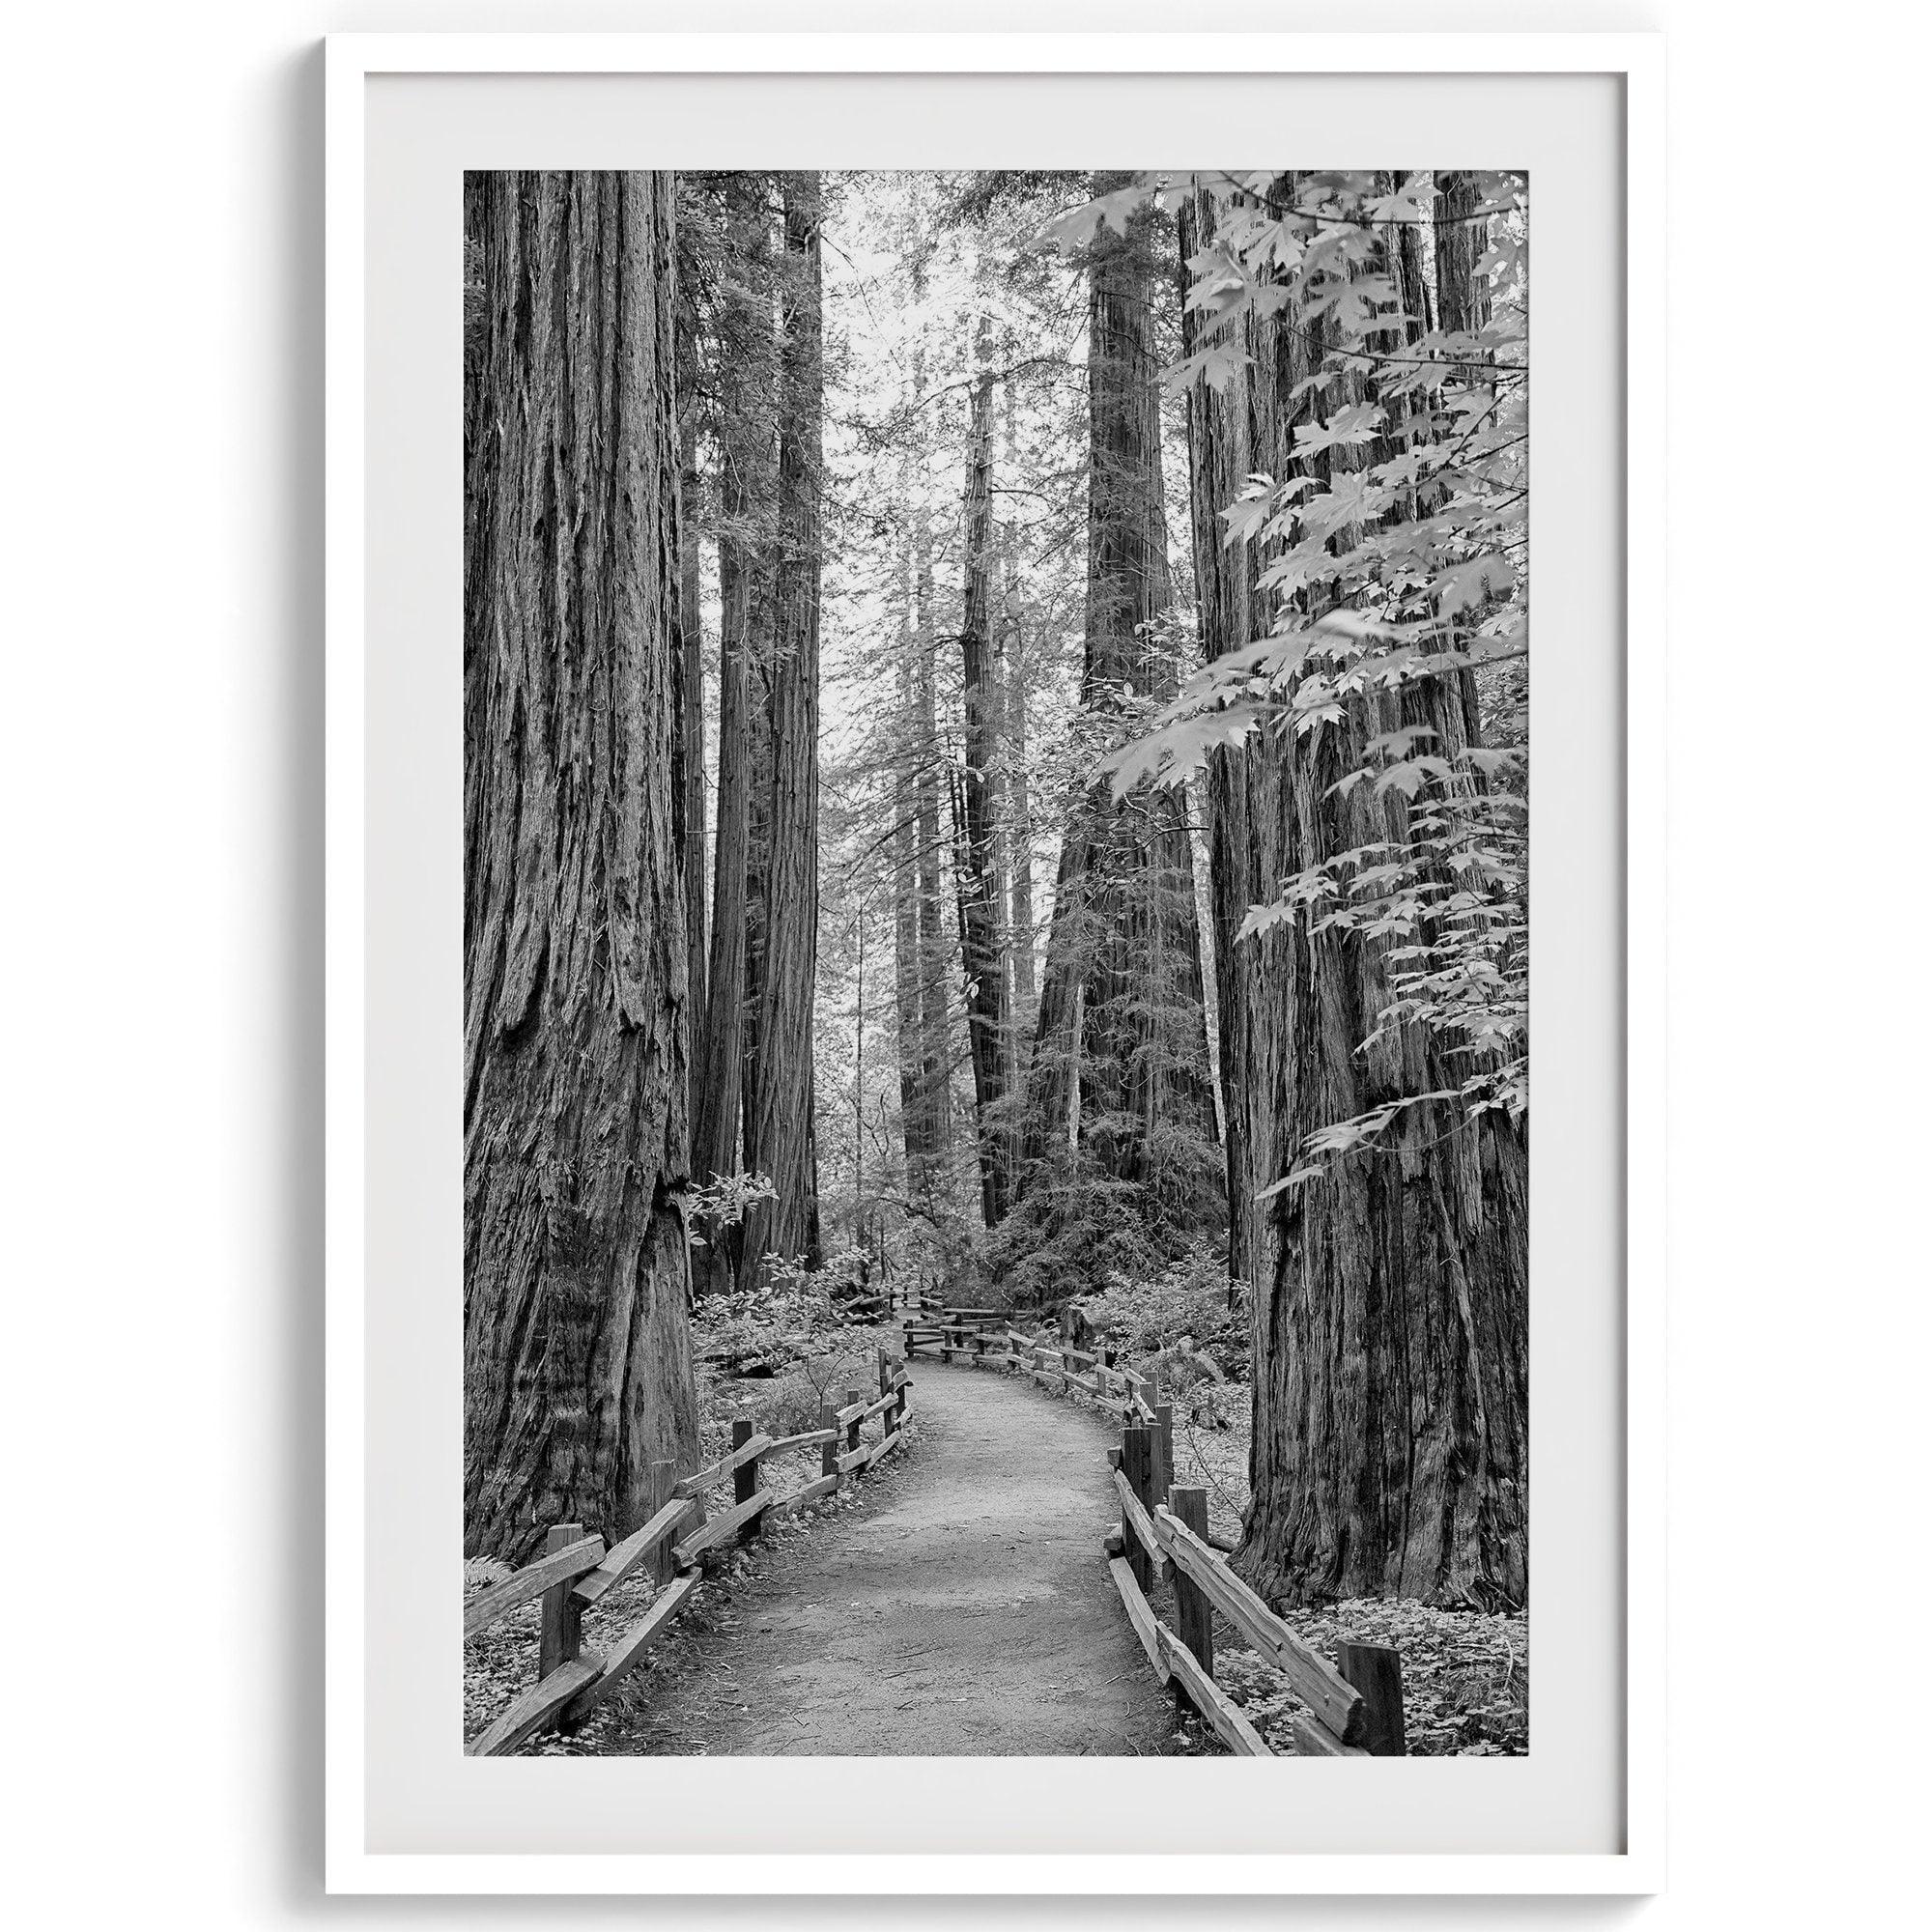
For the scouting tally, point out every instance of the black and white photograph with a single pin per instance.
(777, 903)
(996, 963)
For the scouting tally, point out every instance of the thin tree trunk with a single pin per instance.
(979, 884)
(906, 957)
(935, 963)
(1017, 824)
(691, 670)
(577, 1353)
(786, 1226)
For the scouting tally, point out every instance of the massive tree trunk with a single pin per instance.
(1122, 1010)
(1390, 1295)
(781, 1123)
(981, 892)
(577, 1354)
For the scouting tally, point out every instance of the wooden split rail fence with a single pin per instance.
(881, 1304)
(575, 1572)
(1354, 1703)
(983, 1337)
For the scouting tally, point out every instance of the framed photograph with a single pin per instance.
(932, 888)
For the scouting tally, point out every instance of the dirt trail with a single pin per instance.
(966, 1610)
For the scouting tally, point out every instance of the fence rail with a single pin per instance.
(1354, 1702)
(576, 1570)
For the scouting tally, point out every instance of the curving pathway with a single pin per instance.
(966, 1609)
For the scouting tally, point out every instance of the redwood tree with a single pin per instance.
(1120, 1059)
(981, 889)
(779, 1128)
(1389, 1285)
(741, 357)
(576, 1014)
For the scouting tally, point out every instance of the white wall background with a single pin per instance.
(160, 464)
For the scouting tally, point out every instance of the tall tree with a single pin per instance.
(1018, 820)
(982, 891)
(741, 357)
(690, 660)
(576, 963)
(1389, 1285)
(1121, 1040)
(923, 958)
(781, 1124)
(920, 958)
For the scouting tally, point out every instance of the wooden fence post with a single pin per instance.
(1163, 1450)
(744, 1478)
(885, 1373)
(1375, 1669)
(1137, 1465)
(662, 1480)
(1193, 1614)
(562, 1614)
(828, 1450)
(853, 1426)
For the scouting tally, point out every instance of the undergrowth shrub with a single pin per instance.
(1172, 1313)
(779, 1350)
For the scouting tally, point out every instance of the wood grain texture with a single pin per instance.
(1375, 1669)
(630, 1649)
(714, 1532)
(1193, 1612)
(1207, 1697)
(1140, 1614)
(1139, 1524)
(1313, 1739)
(635, 1548)
(705, 1479)
(557, 1566)
(563, 1633)
(536, 1708)
(822, 1486)
(811, 1438)
(1314, 1680)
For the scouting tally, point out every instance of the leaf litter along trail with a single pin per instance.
(963, 1608)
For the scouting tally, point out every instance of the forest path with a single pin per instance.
(966, 1609)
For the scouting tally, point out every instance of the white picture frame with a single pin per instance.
(352, 63)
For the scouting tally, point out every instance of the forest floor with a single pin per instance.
(959, 1606)
(1465, 1673)
(954, 1601)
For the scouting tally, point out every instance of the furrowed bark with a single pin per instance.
(978, 883)
(576, 947)
(1121, 1000)
(782, 1114)
(1389, 1296)
(690, 672)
